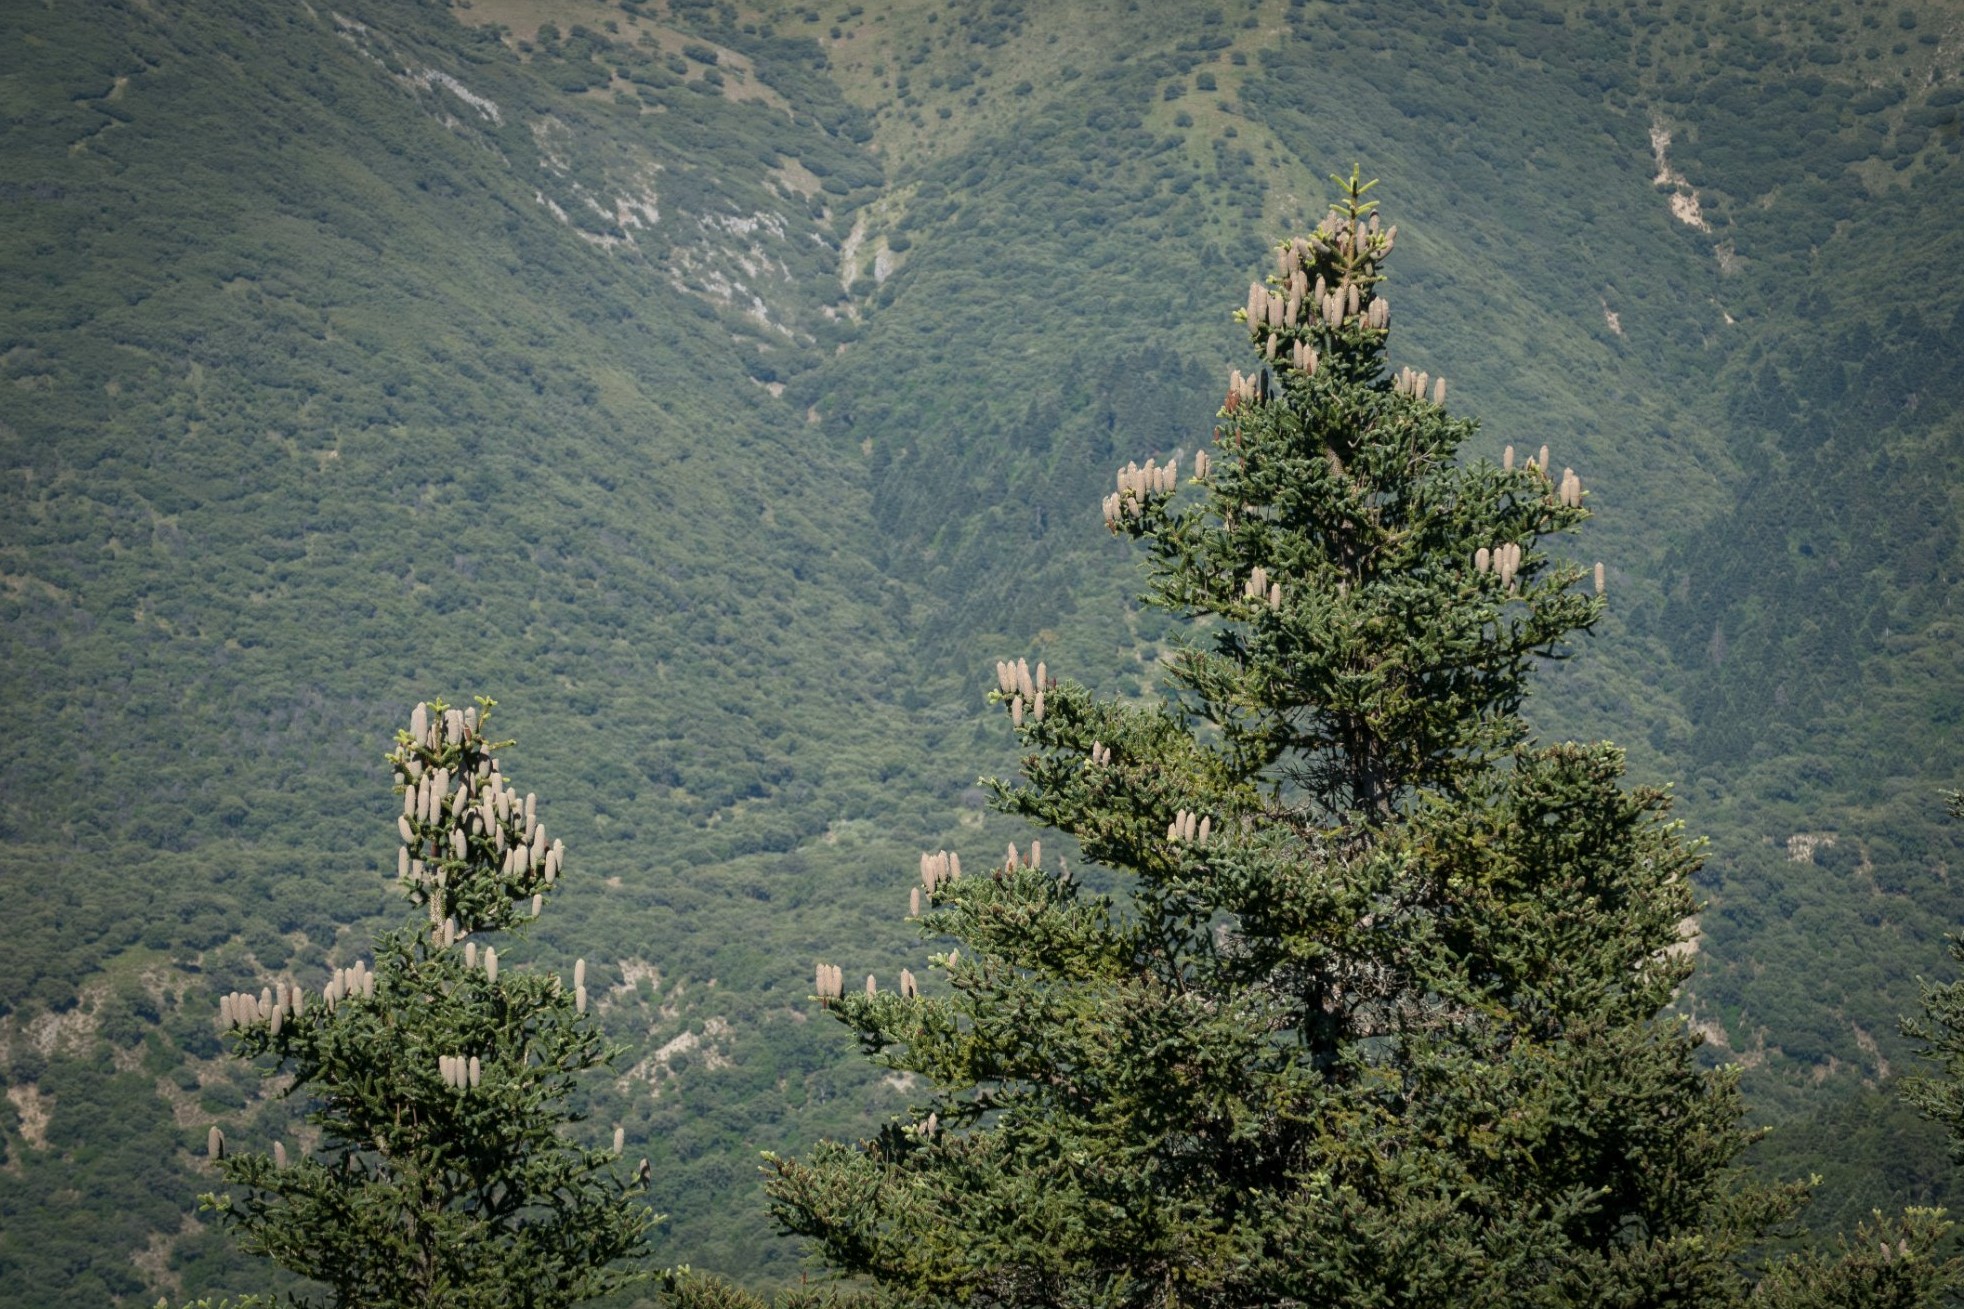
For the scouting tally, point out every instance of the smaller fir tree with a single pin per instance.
(438, 1079)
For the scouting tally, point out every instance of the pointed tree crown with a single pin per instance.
(1375, 604)
(439, 1080)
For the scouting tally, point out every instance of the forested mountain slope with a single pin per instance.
(722, 388)
(316, 408)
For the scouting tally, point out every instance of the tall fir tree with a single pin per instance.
(439, 1079)
(1375, 1012)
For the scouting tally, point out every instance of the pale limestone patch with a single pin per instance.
(153, 1260)
(486, 107)
(1866, 1044)
(657, 1067)
(630, 212)
(1685, 208)
(746, 224)
(551, 136)
(1684, 199)
(1687, 943)
(1756, 1056)
(1802, 845)
(1660, 144)
(35, 1110)
(682, 1044)
(640, 210)
(849, 253)
(1719, 1039)
(1712, 1030)
(715, 269)
(70, 1032)
(636, 971)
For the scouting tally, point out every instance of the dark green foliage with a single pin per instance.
(685, 1289)
(1376, 1012)
(1880, 1266)
(440, 1086)
(1870, 1151)
(1940, 1029)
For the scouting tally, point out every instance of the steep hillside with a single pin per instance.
(722, 387)
(331, 386)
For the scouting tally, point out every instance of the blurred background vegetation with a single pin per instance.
(723, 387)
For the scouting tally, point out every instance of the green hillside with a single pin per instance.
(722, 388)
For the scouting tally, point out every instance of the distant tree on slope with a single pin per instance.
(439, 1079)
(1377, 1014)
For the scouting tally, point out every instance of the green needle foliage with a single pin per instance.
(439, 1083)
(1941, 1030)
(1378, 1015)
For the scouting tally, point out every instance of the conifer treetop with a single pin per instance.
(447, 1173)
(1379, 602)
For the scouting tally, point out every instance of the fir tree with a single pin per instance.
(1376, 1012)
(438, 1079)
